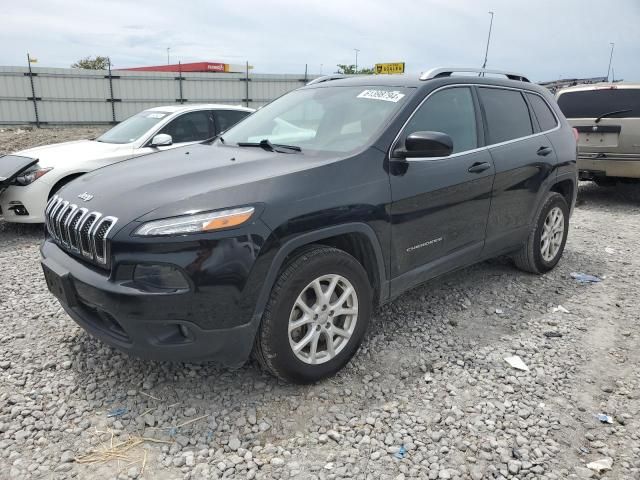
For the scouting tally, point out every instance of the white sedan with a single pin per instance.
(30, 177)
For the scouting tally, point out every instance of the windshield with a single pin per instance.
(594, 103)
(336, 119)
(132, 128)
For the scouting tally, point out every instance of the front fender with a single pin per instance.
(316, 236)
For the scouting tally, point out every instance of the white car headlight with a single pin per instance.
(31, 176)
(201, 222)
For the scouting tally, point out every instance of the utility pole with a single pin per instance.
(486, 52)
(33, 89)
(168, 48)
(610, 59)
(356, 50)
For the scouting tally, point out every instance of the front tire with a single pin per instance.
(316, 317)
(547, 238)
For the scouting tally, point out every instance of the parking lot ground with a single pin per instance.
(429, 394)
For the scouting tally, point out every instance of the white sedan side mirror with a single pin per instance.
(161, 140)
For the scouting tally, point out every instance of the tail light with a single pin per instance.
(575, 133)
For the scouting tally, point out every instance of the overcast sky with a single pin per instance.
(544, 39)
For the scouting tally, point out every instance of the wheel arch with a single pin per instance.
(357, 239)
(566, 188)
(63, 181)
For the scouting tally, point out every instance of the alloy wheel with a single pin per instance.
(322, 319)
(552, 234)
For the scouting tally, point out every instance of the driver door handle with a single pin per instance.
(544, 151)
(479, 167)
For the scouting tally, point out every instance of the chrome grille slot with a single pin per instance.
(57, 203)
(86, 245)
(78, 230)
(64, 217)
(58, 215)
(101, 231)
(47, 211)
(74, 220)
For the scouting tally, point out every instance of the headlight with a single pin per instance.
(31, 176)
(202, 222)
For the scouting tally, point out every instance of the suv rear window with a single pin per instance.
(506, 113)
(545, 116)
(593, 103)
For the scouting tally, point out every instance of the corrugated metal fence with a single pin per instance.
(61, 96)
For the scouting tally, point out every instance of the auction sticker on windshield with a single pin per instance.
(386, 95)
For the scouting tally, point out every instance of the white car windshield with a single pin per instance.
(336, 119)
(132, 128)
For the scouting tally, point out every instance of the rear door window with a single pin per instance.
(506, 113)
(593, 103)
(543, 113)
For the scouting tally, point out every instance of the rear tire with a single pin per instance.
(544, 246)
(316, 316)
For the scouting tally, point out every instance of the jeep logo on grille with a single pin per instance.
(85, 196)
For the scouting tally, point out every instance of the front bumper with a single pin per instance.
(214, 320)
(33, 198)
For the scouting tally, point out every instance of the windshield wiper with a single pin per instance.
(608, 114)
(271, 147)
(209, 140)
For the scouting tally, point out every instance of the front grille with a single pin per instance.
(78, 230)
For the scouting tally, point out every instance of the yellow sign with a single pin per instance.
(390, 67)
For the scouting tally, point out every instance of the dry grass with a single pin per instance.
(120, 451)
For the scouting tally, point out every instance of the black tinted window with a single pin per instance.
(449, 111)
(507, 114)
(543, 113)
(228, 118)
(593, 103)
(190, 127)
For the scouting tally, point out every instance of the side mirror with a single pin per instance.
(425, 144)
(161, 140)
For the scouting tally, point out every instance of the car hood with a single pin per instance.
(78, 151)
(11, 166)
(186, 180)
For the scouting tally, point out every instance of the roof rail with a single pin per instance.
(326, 78)
(447, 72)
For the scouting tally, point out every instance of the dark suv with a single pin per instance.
(280, 236)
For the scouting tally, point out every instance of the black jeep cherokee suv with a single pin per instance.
(280, 236)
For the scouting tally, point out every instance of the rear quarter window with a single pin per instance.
(593, 103)
(507, 114)
(543, 113)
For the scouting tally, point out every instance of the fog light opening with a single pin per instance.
(19, 210)
(159, 278)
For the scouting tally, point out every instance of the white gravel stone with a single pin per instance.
(430, 375)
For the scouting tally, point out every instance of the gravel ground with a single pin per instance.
(429, 394)
(13, 139)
